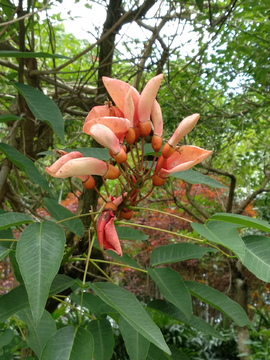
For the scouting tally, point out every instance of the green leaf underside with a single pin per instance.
(102, 333)
(69, 343)
(127, 233)
(17, 298)
(59, 212)
(20, 54)
(194, 177)
(125, 259)
(132, 311)
(136, 345)
(242, 220)
(154, 353)
(178, 252)
(37, 336)
(43, 108)
(9, 220)
(257, 256)
(39, 254)
(219, 301)
(13, 302)
(172, 287)
(26, 165)
(167, 308)
(224, 234)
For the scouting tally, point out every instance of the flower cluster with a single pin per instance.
(119, 129)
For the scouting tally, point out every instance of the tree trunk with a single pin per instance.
(240, 289)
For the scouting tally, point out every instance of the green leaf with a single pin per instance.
(27, 55)
(10, 349)
(131, 310)
(172, 287)
(154, 353)
(4, 251)
(219, 301)
(26, 165)
(178, 354)
(9, 117)
(39, 254)
(98, 153)
(94, 304)
(245, 221)
(127, 233)
(9, 220)
(136, 345)
(69, 343)
(60, 283)
(224, 234)
(200, 4)
(102, 333)
(6, 337)
(167, 308)
(13, 302)
(17, 298)
(15, 267)
(177, 252)
(43, 108)
(257, 256)
(59, 212)
(37, 336)
(194, 177)
(125, 259)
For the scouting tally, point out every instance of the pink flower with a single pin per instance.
(183, 158)
(75, 164)
(111, 117)
(185, 126)
(106, 233)
(105, 136)
(132, 117)
(157, 120)
(147, 99)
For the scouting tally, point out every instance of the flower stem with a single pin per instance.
(162, 230)
(91, 243)
(75, 216)
(159, 211)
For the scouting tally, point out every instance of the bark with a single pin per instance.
(240, 290)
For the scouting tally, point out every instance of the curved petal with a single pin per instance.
(185, 126)
(53, 169)
(118, 90)
(106, 233)
(116, 124)
(129, 108)
(156, 116)
(82, 166)
(104, 136)
(99, 111)
(148, 97)
(111, 240)
(183, 159)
